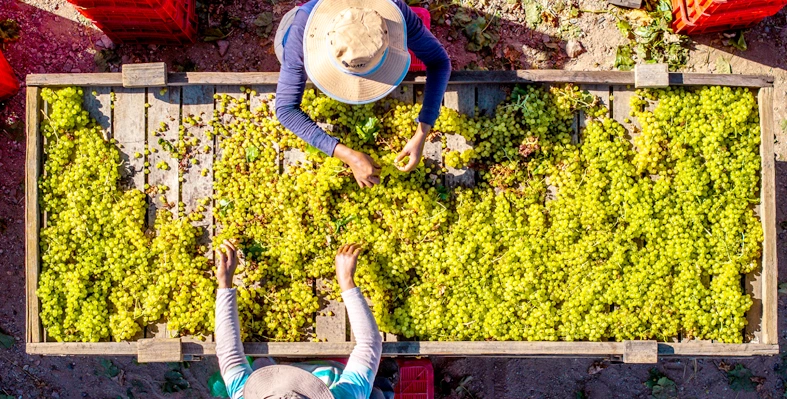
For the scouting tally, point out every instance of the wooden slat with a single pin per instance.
(404, 93)
(462, 99)
(621, 98)
(651, 75)
(770, 333)
(198, 103)
(99, 106)
(478, 348)
(467, 77)
(144, 75)
(129, 131)
(489, 96)
(33, 161)
(164, 108)
(600, 91)
(330, 327)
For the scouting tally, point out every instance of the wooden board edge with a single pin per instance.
(33, 159)
(770, 334)
(459, 77)
(416, 348)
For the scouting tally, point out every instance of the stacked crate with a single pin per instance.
(143, 21)
(705, 16)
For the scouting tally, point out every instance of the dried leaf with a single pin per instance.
(264, 24)
(9, 31)
(596, 367)
(723, 66)
(640, 17)
(783, 288)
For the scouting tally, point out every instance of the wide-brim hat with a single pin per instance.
(339, 83)
(282, 381)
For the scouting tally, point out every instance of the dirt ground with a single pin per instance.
(56, 39)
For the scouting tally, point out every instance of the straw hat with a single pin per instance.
(284, 382)
(356, 50)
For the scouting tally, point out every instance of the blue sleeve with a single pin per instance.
(289, 91)
(235, 379)
(438, 66)
(354, 383)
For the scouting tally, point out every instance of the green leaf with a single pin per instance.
(723, 66)
(255, 250)
(174, 382)
(442, 193)
(623, 60)
(740, 42)
(6, 341)
(214, 34)
(339, 224)
(225, 205)
(624, 27)
(739, 379)
(252, 153)
(109, 368)
(264, 24)
(166, 145)
(783, 288)
(369, 130)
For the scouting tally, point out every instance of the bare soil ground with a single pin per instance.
(56, 39)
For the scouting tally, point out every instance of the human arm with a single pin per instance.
(235, 370)
(289, 94)
(438, 70)
(358, 376)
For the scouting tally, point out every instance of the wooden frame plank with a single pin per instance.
(430, 348)
(129, 131)
(461, 98)
(465, 77)
(99, 106)
(144, 75)
(770, 333)
(33, 168)
(162, 124)
(197, 102)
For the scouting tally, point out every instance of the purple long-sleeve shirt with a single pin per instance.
(292, 78)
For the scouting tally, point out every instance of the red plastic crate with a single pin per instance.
(169, 21)
(417, 65)
(9, 85)
(697, 8)
(416, 379)
(682, 23)
(723, 16)
(139, 4)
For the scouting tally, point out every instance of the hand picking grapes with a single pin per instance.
(319, 40)
(312, 380)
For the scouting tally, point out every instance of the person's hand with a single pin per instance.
(346, 261)
(414, 148)
(226, 262)
(365, 170)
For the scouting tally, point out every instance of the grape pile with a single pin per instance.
(102, 277)
(561, 237)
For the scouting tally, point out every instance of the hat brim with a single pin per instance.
(345, 87)
(281, 379)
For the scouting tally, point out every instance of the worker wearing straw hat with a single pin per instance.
(355, 51)
(309, 380)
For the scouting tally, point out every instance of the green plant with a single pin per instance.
(480, 32)
(661, 387)
(651, 39)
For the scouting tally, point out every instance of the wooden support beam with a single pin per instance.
(770, 301)
(33, 160)
(644, 352)
(144, 75)
(151, 350)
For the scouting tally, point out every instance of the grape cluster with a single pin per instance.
(561, 238)
(101, 276)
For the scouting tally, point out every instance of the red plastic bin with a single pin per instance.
(416, 379)
(682, 23)
(143, 21)
(697, 8)
(417, 65)
(9, 85)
